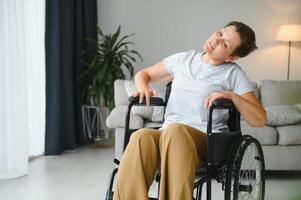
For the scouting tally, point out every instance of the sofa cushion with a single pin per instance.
(118, 115)
(279, 115)
(280, 92)
(266, 135)
(289, 135)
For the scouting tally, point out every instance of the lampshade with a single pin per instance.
(288, 33)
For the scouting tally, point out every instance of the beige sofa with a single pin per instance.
(280, 138)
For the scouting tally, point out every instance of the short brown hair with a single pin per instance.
(247, 36)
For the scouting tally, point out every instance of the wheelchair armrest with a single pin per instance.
(234, 115)
(134, 101)
(222, 104)
(154, 101)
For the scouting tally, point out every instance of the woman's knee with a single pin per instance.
(175, 131)
(143, 135)
(177, 134)
(177, 142)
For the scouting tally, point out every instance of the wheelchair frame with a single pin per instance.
(220, 161)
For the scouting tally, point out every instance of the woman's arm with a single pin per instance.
(153, 73)
(247, 104)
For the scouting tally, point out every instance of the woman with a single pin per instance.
(179, 147)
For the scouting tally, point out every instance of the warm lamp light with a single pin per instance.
(289, 33)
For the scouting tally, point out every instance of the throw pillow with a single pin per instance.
(279, 115)
(153, 113)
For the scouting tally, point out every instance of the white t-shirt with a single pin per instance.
(193, 82)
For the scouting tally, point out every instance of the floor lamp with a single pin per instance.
(289, 33)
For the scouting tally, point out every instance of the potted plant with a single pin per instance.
(105, 66)
(111, 53)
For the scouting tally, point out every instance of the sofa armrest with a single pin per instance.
(120, 94)
(117, 118)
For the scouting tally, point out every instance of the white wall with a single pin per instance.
(164, 27)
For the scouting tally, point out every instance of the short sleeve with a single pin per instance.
(240, 83)
(172, 62)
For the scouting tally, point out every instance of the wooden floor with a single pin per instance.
(83, 175)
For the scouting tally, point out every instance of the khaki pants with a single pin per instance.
(178, 150)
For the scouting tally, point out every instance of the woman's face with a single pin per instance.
(222, 43)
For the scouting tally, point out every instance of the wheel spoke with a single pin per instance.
(247, 180)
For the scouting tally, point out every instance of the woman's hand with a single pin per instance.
(145, 93)
(216, 95)
(151, 74)
(247, 104)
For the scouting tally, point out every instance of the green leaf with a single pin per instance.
(124, 37)
(116, 35)
(135, 52)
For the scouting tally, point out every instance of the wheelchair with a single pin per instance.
(234, 160)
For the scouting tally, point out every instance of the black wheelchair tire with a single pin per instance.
(233, 185)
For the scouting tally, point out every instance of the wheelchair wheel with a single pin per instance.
(245, 178)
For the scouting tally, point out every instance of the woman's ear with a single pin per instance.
(231, 58)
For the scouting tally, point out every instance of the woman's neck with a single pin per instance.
(208, 60)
